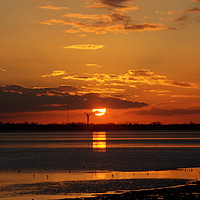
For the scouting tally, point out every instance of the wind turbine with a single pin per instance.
(68, 113)
(88, 117)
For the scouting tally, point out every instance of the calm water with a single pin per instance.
(100, 140)
(115, 150)
(29, 160)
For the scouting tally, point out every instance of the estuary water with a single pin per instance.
(114, 150)
(56, 165)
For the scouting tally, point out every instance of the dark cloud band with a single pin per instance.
(16, 98)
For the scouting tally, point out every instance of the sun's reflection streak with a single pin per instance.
(99, 141)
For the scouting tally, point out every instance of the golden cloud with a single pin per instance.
(158, 91)
(94, 77)
(117, 5)
(193, 10)
(185, 16)
(171, 12)
(47, 23)
(185, 96)
(82, 35)
(50, 7)
(98, 90)
(93, 65)
(85, 46)
(85, 16)
(115, 20)
(190, 10)
(95, 5)
(2, 70)
(71, 31)
(181, 18)
(132, 79)
(54, 73)
(106, 26)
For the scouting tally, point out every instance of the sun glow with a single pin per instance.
(99, 112)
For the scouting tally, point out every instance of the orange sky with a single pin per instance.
(138, 58)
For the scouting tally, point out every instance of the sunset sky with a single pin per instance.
(138, 58)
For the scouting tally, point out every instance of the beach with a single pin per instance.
(186, 192)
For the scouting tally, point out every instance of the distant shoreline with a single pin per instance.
(96, 127)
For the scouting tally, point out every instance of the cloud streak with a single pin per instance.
(190, 10)
(50, 7)
(2, 70)
(169, 112)
(54, 73)
(122, 5)
(116, 23)
(185, 96)
(93, 65)
(61, 90)
(193, 10)
(85, 16)
(85, 46)
(117, 4)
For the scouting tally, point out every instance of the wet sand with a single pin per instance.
(79, 189)
(40, 185)
(30, 177)
(183, 192)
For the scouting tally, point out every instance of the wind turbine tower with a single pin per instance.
(88, 117)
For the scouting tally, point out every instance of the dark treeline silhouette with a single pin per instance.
(95, 127)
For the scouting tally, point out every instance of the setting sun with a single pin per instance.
(99, 112)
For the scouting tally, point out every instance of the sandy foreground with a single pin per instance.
(24, 185)
(181, 192)
(103, 189)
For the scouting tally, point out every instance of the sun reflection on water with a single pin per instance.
(99, 141)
